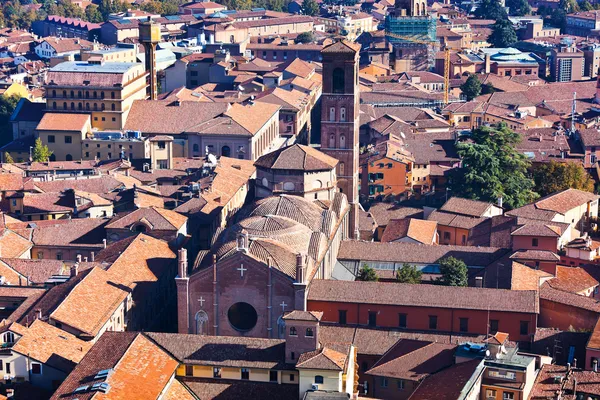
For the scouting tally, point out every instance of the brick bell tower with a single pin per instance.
(340, 119)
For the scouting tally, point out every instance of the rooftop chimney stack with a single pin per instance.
(300, 270)
(74, 270)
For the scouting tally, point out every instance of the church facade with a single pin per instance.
(262, 267)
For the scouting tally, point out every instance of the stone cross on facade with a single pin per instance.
(283, 306)
(201, 300)
(242, 269)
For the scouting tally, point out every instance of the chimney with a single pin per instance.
(488, 63)
(574, 363)
(595, 364)
(74, 269)
(182, 263)
(478, 281)
(92, 256)
(300, 270)
(38, 313)
(103, 243)
(78, 258)
(500, 201)
(85, 259)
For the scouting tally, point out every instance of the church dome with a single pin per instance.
(295, 208)
(508, 54)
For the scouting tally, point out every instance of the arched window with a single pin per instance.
(195, 147)
(64, 93)
(87, 94)
(102, 106)
(95, 107)
(342, 168)
(113, 107)
(54, 105)
(293, 331)
(72, 106)
(318, 379)
(225, 151)
(72, 94)
(331, 114)
(9, 337)
(64, 105)
(79, 106)
(343, 114)
(53, 157)
(317, 184)
(342, 142)
(331, 141)
(232, 39)
(289, 186)
(95, 94)
(69, 157)
(201, 323)
(53, 93)
(101, 95)
(112, 95)
(338, 80)
(309, 332)
(79, 93)
(280, 327)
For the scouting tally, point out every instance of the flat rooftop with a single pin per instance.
(107, 68)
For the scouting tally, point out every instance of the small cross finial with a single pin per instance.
(242, 269)
(283, 306)
(201, 300)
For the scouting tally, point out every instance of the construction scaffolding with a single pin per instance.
(414, 41)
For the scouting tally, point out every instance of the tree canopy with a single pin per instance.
(7, 106)
(490, 9)
(8, 158)
(454, 272)
(472, 87)
(518, 7)
(503, 34)
(367, 273)
(556, 176)
(305, 37)
(310, 7)
(408, 274)
(41, 152)
(493, 168)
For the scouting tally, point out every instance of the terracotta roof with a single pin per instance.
(417, 229)
(572, 279)
(233, 389)
(473, 208)
(413, 360)
(537, 229)
(11, 181)
(594, 340)
(447, 384)
(297, 19)
(80, 232)
(297, 158)
(548, 293)
(416, 253)
(51, 346)
(325, 358)
(63, 45)
(527, 278)
(63, 122)
(538, 255)
(455, 220)
(42, 203)
(382, 293)
(298, 315)
(342, 46)
(382, 213)
(177, 391)
(252, 117)
(104, 184)
(565, 200)
(223, 351)
(36, 271)
(301, 68)
(171, 117)
(91, 303)
(13, 245)
(158, 218)
(141, 369)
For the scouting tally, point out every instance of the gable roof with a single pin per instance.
(422, 231)
(326, 358)
(51, 346)
(342, 46)
(467, 298)
(252, 117)
(297, 158)
(472, 208)
(159, 218)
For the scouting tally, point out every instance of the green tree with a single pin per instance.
(556, 176)
(7, 106)
(454, 272)
(305, 37)
(93, 14)
(503, 34)
(41, 152)
(310, 7)
(472, 87)
(276, 5)
(490, 9)
(367, 273)
(586, 6)
(558, 19)
(569, 6)
(493, 168)
(408, 274)
(518, 7)
(8, 158)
